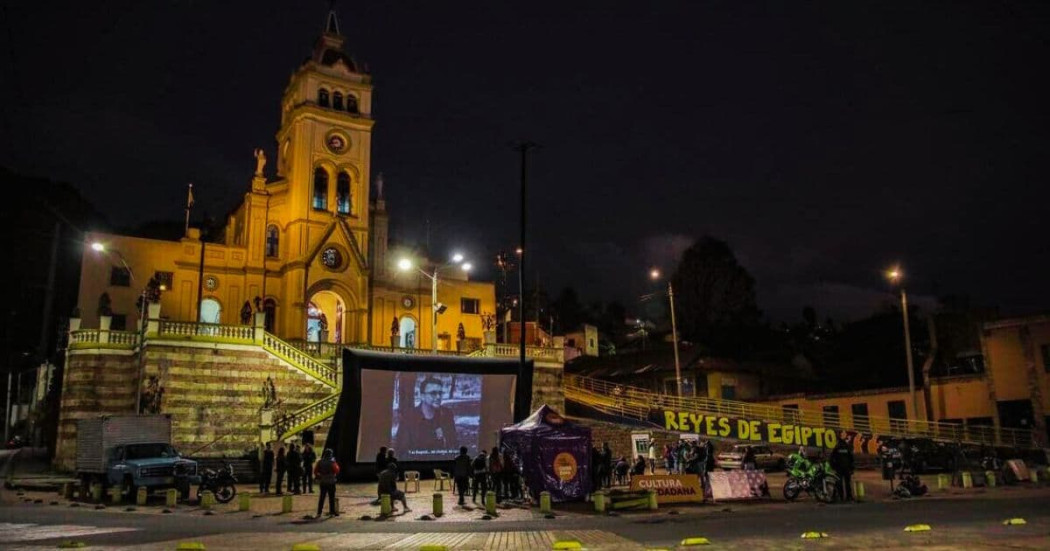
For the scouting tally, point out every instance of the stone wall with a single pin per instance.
(547, 387)
(213, 393)
(96, 382)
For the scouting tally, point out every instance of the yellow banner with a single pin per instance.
(747, 429)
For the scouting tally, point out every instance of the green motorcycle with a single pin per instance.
(814, 478)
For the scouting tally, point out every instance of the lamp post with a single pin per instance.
(406, 265)
(895, 275)
(655, 275)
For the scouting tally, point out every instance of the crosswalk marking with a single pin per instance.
(10, 532)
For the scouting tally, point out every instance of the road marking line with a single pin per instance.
(33, 532)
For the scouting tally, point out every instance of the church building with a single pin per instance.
(308, 248)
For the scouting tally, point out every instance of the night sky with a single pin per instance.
(824, 141)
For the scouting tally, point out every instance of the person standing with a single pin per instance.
(461, 474)
(282, 467)
(652, 457)
(709, 453)
(748, 462)
(607, 465)
(267, 470)
(510, 476)
(480, 468)
(309, 456)
(842, 463)
(327, 472)
(496, 474)
(381, 461)
(295, 467)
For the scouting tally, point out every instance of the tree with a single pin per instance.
(714, 297)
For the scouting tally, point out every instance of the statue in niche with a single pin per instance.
(152, 396)
(260, 162)
(269, 393)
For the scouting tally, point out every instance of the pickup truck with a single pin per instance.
(131, 452)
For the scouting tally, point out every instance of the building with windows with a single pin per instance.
(309, 248)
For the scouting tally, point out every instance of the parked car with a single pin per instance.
(15, 442)
(765, 458)
(923, 455)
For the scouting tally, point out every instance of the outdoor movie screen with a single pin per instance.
(427, 416)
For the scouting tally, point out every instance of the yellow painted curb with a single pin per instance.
(190, 546)
(433, 547)
(567, 544)
(1014, 522)
(814, 535)
(688, 542)
(306, 547)
(918, 528)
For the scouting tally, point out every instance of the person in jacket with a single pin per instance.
(511, 475)
(842, 463)
(748, 462)
(709, 456)
(461, 474)
(480, 470)
(639, 466)
(266, 475)
(496, 474)
(309, 456)
(388, 486)
(381, 461)
(295, 467)
(607, 465)
(327, 472)
(282, 467)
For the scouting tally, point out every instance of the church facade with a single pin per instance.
(308, 248)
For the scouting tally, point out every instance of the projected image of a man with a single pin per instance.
(428, 428)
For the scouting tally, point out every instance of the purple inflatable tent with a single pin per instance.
(554, 454)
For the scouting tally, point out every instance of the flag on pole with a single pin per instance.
(189, 198)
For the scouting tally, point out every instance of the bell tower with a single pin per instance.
(324, 153)
(325, 140)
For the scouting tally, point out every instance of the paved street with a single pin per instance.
(959, 520)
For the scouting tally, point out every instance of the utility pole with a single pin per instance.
(523, 148)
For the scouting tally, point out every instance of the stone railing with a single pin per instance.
(298, 421)
(537, 353)
(304, 362)
(331, 351)
(97, 338)
(230, 333)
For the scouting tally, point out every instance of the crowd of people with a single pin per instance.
(297, 465)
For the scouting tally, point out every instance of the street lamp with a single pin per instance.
(654, 274)
(406, 265)
(895, 275)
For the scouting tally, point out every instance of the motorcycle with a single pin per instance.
(221, 483)
(816, 479)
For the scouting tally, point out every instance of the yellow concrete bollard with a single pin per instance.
(653, 504)
(439, 505)
(207, 500)
(115, 495)
(190, 546)
(306, 547)
(67, 490)
(490, 502)
(1034, 475)
(141, 495)
(858, 490)
(96, 491)
(286, 505)
(943, 481)
(244, 502)
(384, 505)
(967, 479)
(989, 477)
(599, 501)
(545, 503)
(171, 497)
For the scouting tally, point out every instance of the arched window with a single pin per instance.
(320, 189)
(272, 241)
(337, 101)
(342, 193)
(322, 97)
(351, 103)
(270, 308)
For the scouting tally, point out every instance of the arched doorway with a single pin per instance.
(408, 333)
(325, 318)
(211, 311)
